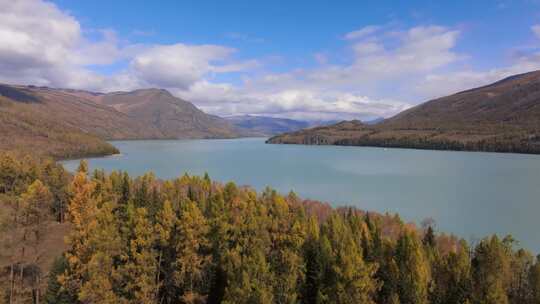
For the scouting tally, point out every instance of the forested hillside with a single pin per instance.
(194, 240)
(501, 117)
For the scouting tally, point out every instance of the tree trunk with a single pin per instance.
(38, 287)
(21, 278)
(156, 295)
(12, 284)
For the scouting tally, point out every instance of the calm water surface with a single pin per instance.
(470, 194)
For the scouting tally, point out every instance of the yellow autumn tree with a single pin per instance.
(101, 275)
(192, 260)
(82, 211)
(140, 270)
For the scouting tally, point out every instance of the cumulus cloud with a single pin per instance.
(383, 66)
(441, 84)
(43, 45)
(180, 65)
(305, 103)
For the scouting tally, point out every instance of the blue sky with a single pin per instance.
(297, 59)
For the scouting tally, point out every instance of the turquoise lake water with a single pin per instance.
(469, 194)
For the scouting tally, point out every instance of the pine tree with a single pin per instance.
(413, 268)
(286, 236)
(57, 180)
(218, 216)
(245, 260)
(347, 278)
(55, 294)
(452, 277)
(36, 204)
(429, 239)
(250, 278)
(491, 272)
(313, 264)
(519, 289)
(165, 228)
(534, 281)
(387, 273)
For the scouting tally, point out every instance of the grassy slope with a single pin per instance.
(26, 129)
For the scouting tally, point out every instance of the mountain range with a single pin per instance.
(65, 123)
(72, 123)
(265, 126)
(500, 117)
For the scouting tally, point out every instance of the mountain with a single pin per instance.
(33, 124)
(172, 117)
(373, 121)
(501, 117)
(66, 123)
(263, 125)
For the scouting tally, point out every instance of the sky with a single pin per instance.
(309, 60)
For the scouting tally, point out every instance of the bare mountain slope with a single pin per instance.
(172, 116)
(29, 125)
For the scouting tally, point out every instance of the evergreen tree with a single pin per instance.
(491, 272)
(55, 294)
(429, 239)
(35, 207)
(413, 269)
(347, 278)
(286, 236)
(534, 282)
(165, 228)
(313, 264)
(519, 289)
(452, 277)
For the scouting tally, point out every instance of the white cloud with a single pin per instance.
(444, 83)
(362, 32)
(180, 65)
(381, 67)
(536, 30)
(41, 44)
(305, 103)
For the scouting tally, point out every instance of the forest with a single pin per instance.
(195, 240)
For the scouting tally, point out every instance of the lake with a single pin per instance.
(467, 193)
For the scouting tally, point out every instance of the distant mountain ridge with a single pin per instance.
(39, 119)
(265, 125)
(500, 117)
